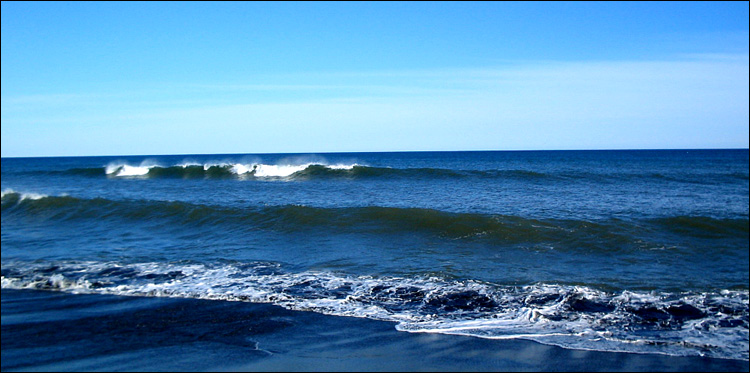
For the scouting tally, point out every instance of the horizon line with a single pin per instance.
(363, 152)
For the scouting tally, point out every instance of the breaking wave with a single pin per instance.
(313, 171)
(148, 170)
(221, 170)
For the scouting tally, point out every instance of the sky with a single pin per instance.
(150, 78)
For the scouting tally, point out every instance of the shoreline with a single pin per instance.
(44, 330)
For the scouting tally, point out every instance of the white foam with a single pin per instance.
(406, 301)
(260, 170)
(7, 192)
(241, 169)
(191, 164)
(286, 170)
(33, 196)
(127, 170)
(133, 171)
(264, 170)
(342, 166)
(23, 196)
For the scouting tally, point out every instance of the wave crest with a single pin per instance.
(218, 170)
(301, 171)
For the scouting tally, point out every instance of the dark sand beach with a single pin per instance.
(57, 331)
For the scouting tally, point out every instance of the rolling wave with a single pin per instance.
(711, 324)
(224, 170)
(289, 172)
(313, 171)
(508, 229)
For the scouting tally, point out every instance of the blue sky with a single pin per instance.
(102, 78)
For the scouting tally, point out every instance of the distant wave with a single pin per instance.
(222, 170)
(711, 324)
(286, 171)
(312, 171)
(14, 197)
(580, 234)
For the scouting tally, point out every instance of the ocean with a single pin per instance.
(275, 261)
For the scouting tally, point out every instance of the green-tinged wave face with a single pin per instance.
(609, 234)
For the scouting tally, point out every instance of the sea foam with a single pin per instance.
(689, 324)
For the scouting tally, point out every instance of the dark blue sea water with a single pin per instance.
(637, 251)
